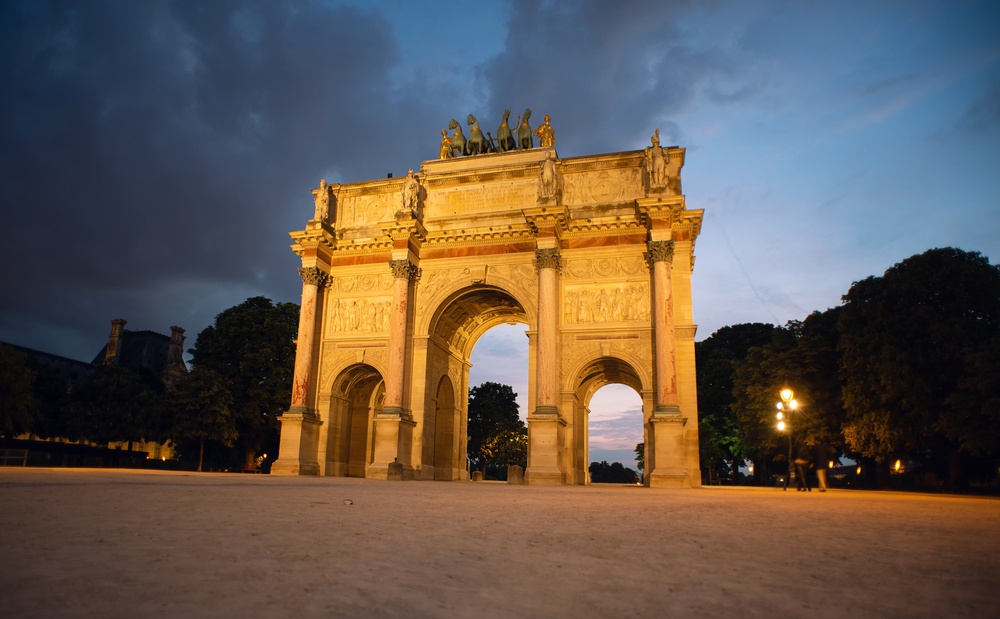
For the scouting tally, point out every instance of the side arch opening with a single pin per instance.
(358, 392)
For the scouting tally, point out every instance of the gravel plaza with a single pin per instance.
(128, 543)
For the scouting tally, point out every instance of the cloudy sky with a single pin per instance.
(154, 154)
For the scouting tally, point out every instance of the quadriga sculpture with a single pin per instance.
(505, 138)
(459, 145)
(477, 141)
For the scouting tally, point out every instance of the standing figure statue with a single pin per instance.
(655, 164)
(505, 138)
(321, 197)
(458, 143)
(547, 180)
(445, 151)
(411, 192)
(524, 139)
(546, 136)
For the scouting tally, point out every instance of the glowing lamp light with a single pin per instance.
(786, 395)
(781, 416)
(897, 466)
(859, 470)
(781, 426)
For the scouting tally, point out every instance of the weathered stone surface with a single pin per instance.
(405, 274)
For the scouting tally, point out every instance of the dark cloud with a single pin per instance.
(602, 70)
(156, 146)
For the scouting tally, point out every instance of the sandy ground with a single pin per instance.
(114, 543)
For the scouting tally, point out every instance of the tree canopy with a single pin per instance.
(18, 406)
(497, 436)
(919, 358)
(200, 406)
(117, 404)
(251, 347)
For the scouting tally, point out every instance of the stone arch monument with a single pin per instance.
(400, 277)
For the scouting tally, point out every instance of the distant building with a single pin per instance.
(162, 354)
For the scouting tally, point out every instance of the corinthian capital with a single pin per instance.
(660, 251)
(312, 276)
(548, 259)
(403, 269)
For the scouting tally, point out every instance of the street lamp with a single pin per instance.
(785, 407)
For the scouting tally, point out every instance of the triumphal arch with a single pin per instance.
(401, 276)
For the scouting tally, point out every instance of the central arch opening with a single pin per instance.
(491, 322)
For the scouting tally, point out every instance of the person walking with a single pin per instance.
(820, 462)
(803, 460)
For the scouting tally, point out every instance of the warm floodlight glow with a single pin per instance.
(781, 416)
(859, 470)
(793, 405)
(781, 426)
(897, 466)
(786, 395)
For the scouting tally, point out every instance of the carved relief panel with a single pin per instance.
(605, 303)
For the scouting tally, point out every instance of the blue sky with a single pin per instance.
(155, 154)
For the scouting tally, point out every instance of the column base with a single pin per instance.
(297, 450)
(665, 457)
(545, 428)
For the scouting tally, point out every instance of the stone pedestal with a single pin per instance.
(545, 427)
(393, 432)
(299, 441)
(666, 434)
(515, 475)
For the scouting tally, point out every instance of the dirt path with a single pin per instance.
(112, 543)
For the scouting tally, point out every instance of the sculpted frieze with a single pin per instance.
(603, 187)
(606, 303)
(361, 283)
(603, 267)
(451, 201)
(360, 315)
(362, 210)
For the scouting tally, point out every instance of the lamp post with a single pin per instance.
(785, 408)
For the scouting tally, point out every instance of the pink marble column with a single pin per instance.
(402, 272)
(548, 267)
(661, 255)
(312, 280)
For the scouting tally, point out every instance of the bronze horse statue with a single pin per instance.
(477, 143)
(505, 138)
(459, 145)
(524, 139)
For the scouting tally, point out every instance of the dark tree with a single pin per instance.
(252, 347)
(117, 404)
(801, 356)
(640, 456)
(493, 414)
(721, 443)
(614, 473)
(919, 360)
(200, 408)
(18, 405)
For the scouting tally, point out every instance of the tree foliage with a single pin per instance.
(801, 356)
(919, 358)
(614, 473)
(495, 429)
(252, 348)
(18, 405)
(200, 406)
(117, 404)
(717, 358)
